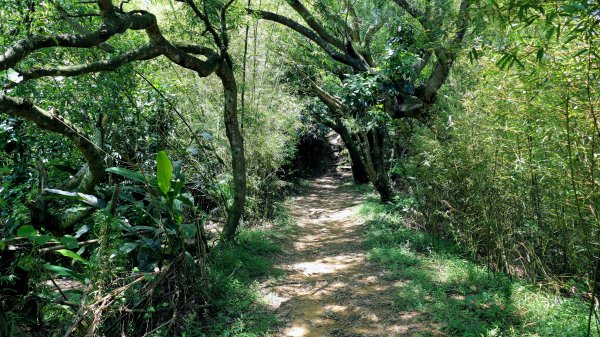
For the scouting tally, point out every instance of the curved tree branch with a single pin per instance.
(315, 25)
(413, 11)
(48, 121)
(332, 102)
(112, 25)
(316, 38)
(446, 57)
(144, 53)
(370, 33)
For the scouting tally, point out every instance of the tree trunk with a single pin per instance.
(236, 143)
(359, 172)
(377, 139)
(372, 144)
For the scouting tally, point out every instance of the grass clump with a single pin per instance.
(233, 270)
(464, 298)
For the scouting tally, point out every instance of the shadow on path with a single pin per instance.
(329, 287)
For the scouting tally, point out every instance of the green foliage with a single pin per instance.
(466, 298)
(232, 288)
(507, 169)
(164, 171)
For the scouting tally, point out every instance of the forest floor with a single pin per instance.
(329, 287)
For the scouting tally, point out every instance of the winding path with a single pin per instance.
(329, 287)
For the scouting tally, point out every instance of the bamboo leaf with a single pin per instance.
(135, 176)
(73, 255)
(63, 271)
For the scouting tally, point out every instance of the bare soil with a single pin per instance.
(329, 287)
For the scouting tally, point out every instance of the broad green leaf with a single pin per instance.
(540, 54)
(190, 260)
(128, 247)
(135, 176)
(41, 239)
(63, 271)
(207, 136)
(69, 242)
(27, 231)
(82, 230)
(186, 198)
(164, 171)
(189, 230)
(61, 194)
(572, 8)
(549, 33)
(73, 255)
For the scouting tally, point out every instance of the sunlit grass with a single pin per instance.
(233, 270)
(465, 298)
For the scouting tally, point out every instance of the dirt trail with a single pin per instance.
(329, 287)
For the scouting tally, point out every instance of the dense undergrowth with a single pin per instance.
(464, 298)
(233, 272)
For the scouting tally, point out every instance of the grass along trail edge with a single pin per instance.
(351, 268)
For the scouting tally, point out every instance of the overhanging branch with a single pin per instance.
(144, 53)
(315, 25)
(330, 49)
(332, 102)
(445, 57)
(48, 121)
(413, 11)
(112, 25)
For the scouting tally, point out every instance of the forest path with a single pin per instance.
(329, 287)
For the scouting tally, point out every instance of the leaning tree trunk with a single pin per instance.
(236, 143)
(377, 145)
(372, 143)
(359, 172)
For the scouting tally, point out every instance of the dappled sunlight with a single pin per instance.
(329, 264)
(330, 287)
(296, 331)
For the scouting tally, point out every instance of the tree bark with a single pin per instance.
(236, 143)
(359, 172)
(377, 139)
(47, 120)
(373, 151)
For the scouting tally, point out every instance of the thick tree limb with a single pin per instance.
(178, 56)
(316, 38)
(370, 33)
(106, 7)
(158, 46)
(144, 53)
(48, 121)
(425, 57)
(446, 57)
(202, 16)
(112, 25)
(78, 27)
(413, 11)
(354, 28)
(332, 102)
(416, 106)
(314, 24)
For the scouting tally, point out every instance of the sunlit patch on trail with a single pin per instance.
(329, 265)
(296, 331)
(330, 288)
